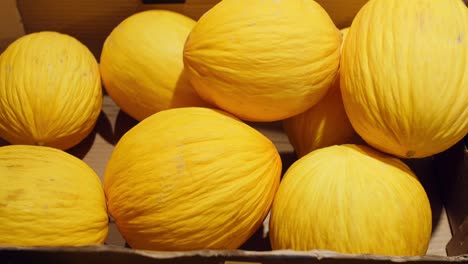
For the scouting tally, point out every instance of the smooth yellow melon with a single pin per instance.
(322, 125)
(404, 75)
(263, 60)
(50, 91)
(49, 198)
(141, 63)
(351, 199)
(191, 178)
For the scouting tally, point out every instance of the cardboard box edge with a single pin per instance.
(14, 22)
(238, 255)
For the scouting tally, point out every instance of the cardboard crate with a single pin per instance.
(444, 176)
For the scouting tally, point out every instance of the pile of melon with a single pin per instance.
(194, 173)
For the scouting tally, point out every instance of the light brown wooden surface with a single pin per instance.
(113, 123)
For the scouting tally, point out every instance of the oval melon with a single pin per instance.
(351, 199)
(404, 75)
(49, 198)
(50, 91)
(263, 60)
(141, 63)
(189, 179)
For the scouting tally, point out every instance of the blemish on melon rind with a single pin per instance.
(460, 38)
(410, 153)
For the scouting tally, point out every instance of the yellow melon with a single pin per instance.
(50, 91)
(49, 198)
(322, 125)
(191, 178)
(404, 75)
(263, 60)
(141, 63)
(351, 199)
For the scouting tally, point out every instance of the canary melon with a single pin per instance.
(324, 124)
(263, 60)
(189, 179)
(141, 63)
(49, 198)
(404, 75)
(50, 91)
(351, 199)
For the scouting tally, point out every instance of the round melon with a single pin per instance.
(263, 60)
(322, 125)
(404, 81)
(351, 199)
(190, 179)
(141, 63)
(50, 91)
(49, 198)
